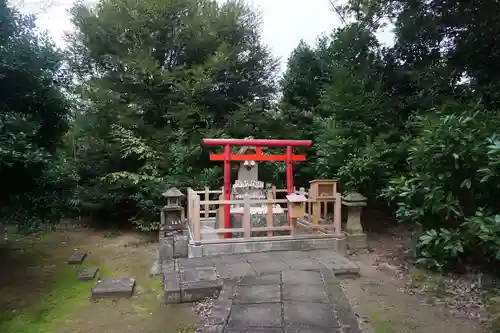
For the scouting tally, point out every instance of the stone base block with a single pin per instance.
(199, 283)
(357, 242)
(190, 284)
(195, 251)
(174, 246)
(172, 287)
(166, 249)
(197, 291)
(181, 246)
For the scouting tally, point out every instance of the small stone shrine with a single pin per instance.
(248, 184)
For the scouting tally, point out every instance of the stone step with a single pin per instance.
(191, 284)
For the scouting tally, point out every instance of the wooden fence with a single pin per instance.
(316, 216)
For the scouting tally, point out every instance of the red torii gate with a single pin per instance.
(227, 157)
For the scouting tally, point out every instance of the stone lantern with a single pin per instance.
(172, 238)
(172, 215)
(356, 238)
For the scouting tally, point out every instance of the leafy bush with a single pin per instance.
(477, 240)
(452, 166)
(483, 231)
(439, 248)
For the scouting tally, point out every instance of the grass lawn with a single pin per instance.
(41, 294)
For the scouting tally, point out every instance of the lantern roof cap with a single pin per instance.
(172, 192)
(354, 197)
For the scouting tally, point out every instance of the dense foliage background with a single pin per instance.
(103, 127)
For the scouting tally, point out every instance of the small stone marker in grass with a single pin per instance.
(113, 288)
(87, 274)
(77, 258)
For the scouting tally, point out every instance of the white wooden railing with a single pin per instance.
(315, 219)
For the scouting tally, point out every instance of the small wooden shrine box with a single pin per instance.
(296, 206)
(323, 188)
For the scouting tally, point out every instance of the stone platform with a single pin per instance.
(192, 279)
(287, 302)
(244, 247)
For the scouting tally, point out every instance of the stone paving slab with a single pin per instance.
(311, 329)
(113, 288)
(255, 315)
(309, 314)
(302, 277)
(325, 253)
(314, 293)
(267, 262)
(260, 280)
(234, 270)
(87, 274)
(255, 330)
(304, 264)
(270, 293)
(288, 302)
(290, 255)
(262, 256)
(77, 258)
(270, 266)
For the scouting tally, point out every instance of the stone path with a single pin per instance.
(193, 279)
(278, 291)
(291, 301)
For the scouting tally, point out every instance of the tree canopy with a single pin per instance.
(159, 76)
(33, 120)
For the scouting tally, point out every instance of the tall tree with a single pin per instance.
(159, 76)
(33, 119)
(301, 87)
(302, 82)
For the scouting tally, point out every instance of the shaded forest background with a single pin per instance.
(103, 127)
